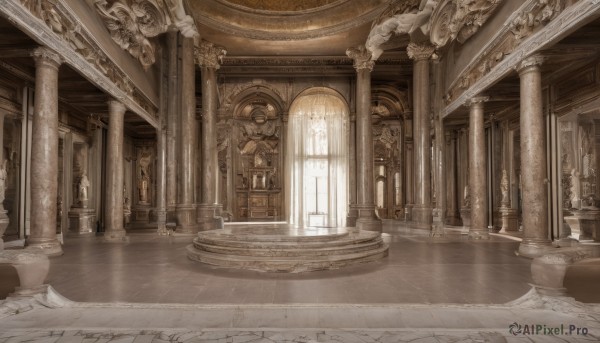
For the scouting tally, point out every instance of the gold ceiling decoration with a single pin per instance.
(282, 5)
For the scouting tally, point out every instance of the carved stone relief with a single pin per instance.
(524, 23)
(63, 23)
(131, 24)
(459, 20)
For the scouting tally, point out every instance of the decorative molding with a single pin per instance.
(209, 55)
(131, 23)
(419, 52)
(459, 20)
(506, 49)
(55, 26)
(361, 57)
(532, 61)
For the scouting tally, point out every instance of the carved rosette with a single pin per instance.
(419, 52)
(131, 24)
(44, 56)
(361, 57)
(209, 55)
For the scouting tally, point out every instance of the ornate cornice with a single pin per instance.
(131, 23)
(47, 57)
(419, 52)
(507, 54)
(459, 20)
(209, 55)
(59, 29)
(361, 57)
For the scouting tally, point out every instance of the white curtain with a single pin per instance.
(317, 160)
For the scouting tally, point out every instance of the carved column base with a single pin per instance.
(161, 223)
(465, 215)
(209, 217)
(82, 220)
(534, 247)
(510, 220)
(115, 236)
(186, 220)
(48, 246)
(351, 216)
(367, 220)
(422, 217)
(32, 269)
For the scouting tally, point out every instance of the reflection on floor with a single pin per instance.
(419, 269)
(443, 289)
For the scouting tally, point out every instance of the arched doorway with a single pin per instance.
(317, 159)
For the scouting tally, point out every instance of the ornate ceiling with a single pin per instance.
(285, 27)
(281, 5)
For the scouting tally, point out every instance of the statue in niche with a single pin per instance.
(126, 205)
(82, 190)
(505, 202)
(575, 190)
(144, 178)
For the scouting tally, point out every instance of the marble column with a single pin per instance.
(478, 170)
(186, 208)
(113, 227)
(422, 209)
(172, 123)
(352, 211)
(408, 165)
(44, 154)
(452, 205)
(365, 194)
(533, 160)
(208, 57)
(161, 181)
(4, 220)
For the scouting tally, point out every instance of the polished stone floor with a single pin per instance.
(419, 269)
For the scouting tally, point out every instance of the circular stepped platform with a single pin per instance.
(285, 249)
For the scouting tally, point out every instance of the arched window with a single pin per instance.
(317, 159)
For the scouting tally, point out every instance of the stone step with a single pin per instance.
(273, 250)
(265, 242)
(285, 264)
(285, 234)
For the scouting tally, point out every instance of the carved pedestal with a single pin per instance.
(585, 223)
(209, 217)
(141, 214)
(510, 219)
(82, 220)
(465, 215)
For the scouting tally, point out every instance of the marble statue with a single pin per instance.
(505, 202)
(82, 190)
(143, 187)
(126, 204)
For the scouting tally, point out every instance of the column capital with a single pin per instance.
(420, 52)
(361, 57)
(116, 105)
(476, 100)
(46, 56)
(531, 61)
(209, 55)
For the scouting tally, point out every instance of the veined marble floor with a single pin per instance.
(153, 269)
(428, 290)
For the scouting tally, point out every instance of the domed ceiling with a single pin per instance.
(281, 5)
(285, 27)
